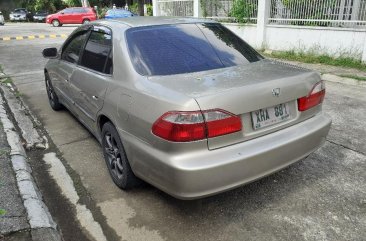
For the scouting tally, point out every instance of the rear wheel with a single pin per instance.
(86, 21)
(52, 97)
(116, 159)
(56, 23)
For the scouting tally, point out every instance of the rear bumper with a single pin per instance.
(197, 174)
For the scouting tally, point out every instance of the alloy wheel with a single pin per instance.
(113, 156)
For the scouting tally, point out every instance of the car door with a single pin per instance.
(65, 15)
(77, 15)
(70, 55)
(90, 79)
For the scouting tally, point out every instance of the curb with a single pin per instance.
(39, 218)
(343, 80)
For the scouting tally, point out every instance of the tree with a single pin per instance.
(49, 5)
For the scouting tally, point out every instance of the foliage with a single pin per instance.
(322, 59)
(2, 212)
(134, 8)
(102, 11)
(242, 10)
(310, 8)
(49, 5)
(208, 6)
(353, 77)
(72, 3)
(149, 9)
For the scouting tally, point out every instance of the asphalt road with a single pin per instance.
(320, 198)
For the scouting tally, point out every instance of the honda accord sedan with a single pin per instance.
(184, 104)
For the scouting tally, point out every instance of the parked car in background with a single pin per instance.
(20, 14)
(2, 21)
(76, 15)
(40, 16)
(185, 104)
(118, 13)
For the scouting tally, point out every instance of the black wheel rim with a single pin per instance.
(50, 93)
(113, 155)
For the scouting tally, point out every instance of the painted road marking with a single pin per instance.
(58, 172)
(30, 37)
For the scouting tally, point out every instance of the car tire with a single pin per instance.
(116, 159)
(52, 97)
(86, 21)
(56, 23)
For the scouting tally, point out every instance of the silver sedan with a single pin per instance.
(185, 104)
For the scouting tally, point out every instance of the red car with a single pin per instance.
(72, 16)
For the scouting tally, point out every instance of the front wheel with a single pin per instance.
(116, 159)
(86, 21)
(56, 23)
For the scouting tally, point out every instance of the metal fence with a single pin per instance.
(175, 7)
(331, 13)
(231, 10)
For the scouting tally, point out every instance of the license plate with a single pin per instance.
(270, 116)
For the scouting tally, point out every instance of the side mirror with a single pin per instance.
(49, 53)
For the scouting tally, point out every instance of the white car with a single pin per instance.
(2, 21)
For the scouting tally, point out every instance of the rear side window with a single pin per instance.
(186, 48)
(80, 10)
(72, 49)
(97, 54)
(68, 10)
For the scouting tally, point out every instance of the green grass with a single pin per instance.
(2, 212)
(6, 81)
(354, 77)
(318, 59)
(3, 152)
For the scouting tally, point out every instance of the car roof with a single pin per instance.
(151, 21)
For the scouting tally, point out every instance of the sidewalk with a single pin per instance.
(14, 218)
(23, 214)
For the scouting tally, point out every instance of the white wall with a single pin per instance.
(331, 41)
(246, 32)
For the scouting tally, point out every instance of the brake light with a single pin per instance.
(185, 126)
(314, 98)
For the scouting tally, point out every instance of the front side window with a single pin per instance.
(97, 53)
(186, 48)
(71, 51)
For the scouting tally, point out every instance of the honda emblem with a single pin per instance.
(276, 92)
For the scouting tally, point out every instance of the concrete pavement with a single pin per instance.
(320, 198)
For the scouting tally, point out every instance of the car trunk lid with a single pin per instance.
(250, 91)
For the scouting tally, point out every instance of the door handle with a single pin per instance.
(95, 97)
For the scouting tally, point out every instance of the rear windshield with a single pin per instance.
(186, 48)
(118, 11)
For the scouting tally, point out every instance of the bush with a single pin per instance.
(242, 10)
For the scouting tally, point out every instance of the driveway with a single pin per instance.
(320, 198)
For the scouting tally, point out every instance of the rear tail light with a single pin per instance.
(314, 98)
(185, 126)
